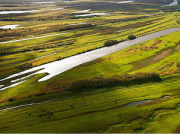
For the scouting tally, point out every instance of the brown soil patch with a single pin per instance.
(162, 55)
(153, 47)
(167, 66)
(170, 72)
(178, 47)
(177, 130)
(7, 72)
(129, 50)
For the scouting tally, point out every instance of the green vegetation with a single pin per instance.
(116, 80)
(131, 37)
(110, 42)
(44, 50)
(135, 90)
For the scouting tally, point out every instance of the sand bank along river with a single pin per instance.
(58, 67)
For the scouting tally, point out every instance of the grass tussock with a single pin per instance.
(116, 80)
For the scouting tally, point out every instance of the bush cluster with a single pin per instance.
(110, 42)
(116, 80)
(11, 99)
(131, 37)
(45, 113)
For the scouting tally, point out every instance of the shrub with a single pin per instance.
(40, 115)
(131, 37)
(110, 42)
(11, 99)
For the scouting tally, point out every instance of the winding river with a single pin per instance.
(58, 67)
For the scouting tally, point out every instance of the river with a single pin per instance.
(58, 67)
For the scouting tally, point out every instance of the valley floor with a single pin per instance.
(129, 90)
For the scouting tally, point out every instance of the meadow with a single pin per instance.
(134, 90)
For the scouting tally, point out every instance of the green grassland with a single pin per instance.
(103, 109)
(151, 107)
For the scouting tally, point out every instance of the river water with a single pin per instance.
(124, 2)
(9, 26)
(82, 11)
(91, 14)
(16, 12)
(174, 3)
(61, 66)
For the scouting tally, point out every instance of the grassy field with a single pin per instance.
(76, 41)
(104, 109)
(50, 106)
